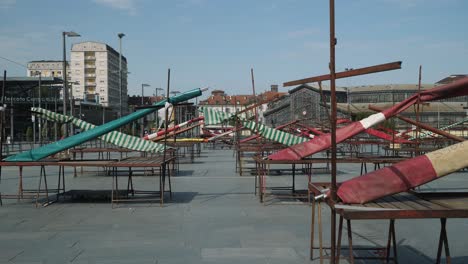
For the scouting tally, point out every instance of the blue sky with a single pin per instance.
(216, 42)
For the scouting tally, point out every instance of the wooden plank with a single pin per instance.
(424, 203)
(404, 214)
(396, 203)
(412, 203)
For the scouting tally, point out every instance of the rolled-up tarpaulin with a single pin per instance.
(114, 137)
(323, 142)
(404, 175)
(69, 142)
(176, 127)
(385, 136)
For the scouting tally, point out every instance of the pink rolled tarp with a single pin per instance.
(404, 175)
(323, 142)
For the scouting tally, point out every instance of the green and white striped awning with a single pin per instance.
(274, 134)
(214, 117)
(114, 137)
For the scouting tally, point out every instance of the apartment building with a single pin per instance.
(95, 73)
(47, 68)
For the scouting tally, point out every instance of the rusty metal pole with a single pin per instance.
(418, 109)
(333, 131)
(166, 123)
(255, 102)
(2, 114)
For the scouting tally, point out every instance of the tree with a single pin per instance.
(29, 134)
(45, 131)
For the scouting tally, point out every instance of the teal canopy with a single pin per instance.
(69, 142)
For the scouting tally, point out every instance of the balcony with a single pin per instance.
(90, 75)
(90, 66)
(90, 83)
(89, 58)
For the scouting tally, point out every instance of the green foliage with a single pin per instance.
(29, 134)
(360, 116)
(45, 130)
(63, 128)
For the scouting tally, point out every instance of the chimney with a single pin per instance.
(274, 88)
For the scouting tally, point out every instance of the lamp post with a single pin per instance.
(64, 72)
(143, 85)
(157, 112)
(120, 35)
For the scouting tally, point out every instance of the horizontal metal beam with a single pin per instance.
(355, 72)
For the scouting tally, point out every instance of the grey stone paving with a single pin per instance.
(214, 217)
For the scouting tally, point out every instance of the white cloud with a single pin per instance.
(5, 4)
(126, 5)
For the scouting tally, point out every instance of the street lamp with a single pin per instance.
(64, 73)
(120, 35)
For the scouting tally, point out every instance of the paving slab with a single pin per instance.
(213, 217)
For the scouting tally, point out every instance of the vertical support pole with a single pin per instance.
(166, 123)
(65, 88)
(2, 114)
(333, 131)
(418, 117)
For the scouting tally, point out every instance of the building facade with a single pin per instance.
(305, 103)
(49, 68)
(95, 75)
(231, 104)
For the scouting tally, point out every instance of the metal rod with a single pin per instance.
(2, 114)
(166, 123)
(255, 103)
(355, 72)
(64, 74)
(418, 109)
(333, 130)
(40, 105)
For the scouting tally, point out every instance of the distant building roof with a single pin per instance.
(45, 61)
(386, 87)
(315, 89)
(108, 48)
(218, 97)
(442, 107)
(451, 78)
